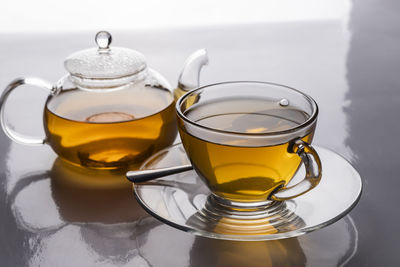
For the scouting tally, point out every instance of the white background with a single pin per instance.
(84, 15)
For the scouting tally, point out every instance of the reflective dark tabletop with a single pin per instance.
(53, 215)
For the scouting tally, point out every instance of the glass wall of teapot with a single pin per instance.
(111, 111)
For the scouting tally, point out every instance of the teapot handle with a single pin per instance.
(13, 135)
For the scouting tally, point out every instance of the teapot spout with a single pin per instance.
(190, 75)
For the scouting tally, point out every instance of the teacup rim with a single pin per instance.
(303, 125)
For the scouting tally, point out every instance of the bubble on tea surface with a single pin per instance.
(284, 102)
(110, 117)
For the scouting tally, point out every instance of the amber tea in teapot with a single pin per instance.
(110, 132)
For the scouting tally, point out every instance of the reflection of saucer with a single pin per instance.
(181, 201)
(332, 246)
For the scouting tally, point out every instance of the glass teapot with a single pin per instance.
(110, 111)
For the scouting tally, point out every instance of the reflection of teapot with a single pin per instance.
(111, 110)
(90, 195)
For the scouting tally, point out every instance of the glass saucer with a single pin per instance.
(183, 201)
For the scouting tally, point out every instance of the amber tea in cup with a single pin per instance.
(246, 140)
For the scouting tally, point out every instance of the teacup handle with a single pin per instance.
(313, 167)
(13, 135)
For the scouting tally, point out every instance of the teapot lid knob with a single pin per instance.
(103, 40)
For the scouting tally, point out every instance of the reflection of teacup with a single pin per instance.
(246, 140)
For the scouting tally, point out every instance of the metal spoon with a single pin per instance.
(147, 175)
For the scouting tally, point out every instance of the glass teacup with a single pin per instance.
(247, 140)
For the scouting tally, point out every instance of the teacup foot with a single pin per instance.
(270, 218)
(240, 209)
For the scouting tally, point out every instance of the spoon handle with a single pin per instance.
(147, 175)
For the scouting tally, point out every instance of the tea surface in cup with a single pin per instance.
(240, 170)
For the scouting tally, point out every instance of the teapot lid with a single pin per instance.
(104, 67)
